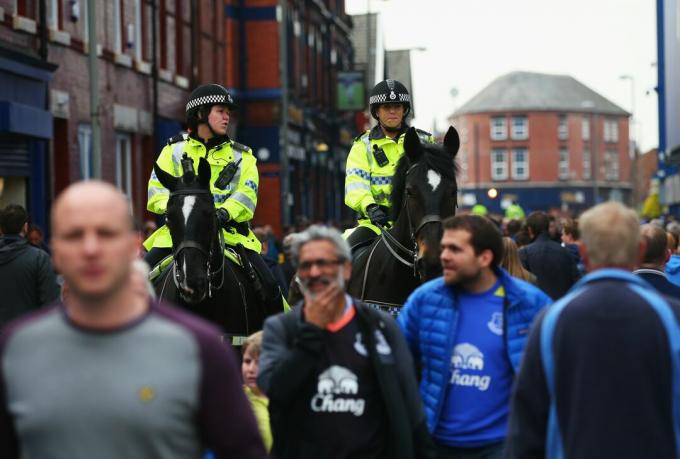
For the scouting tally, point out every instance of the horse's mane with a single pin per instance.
(435, 157)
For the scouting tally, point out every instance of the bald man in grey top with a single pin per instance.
(109, 373)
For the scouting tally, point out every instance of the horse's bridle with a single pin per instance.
(393, 245)
(195, 245)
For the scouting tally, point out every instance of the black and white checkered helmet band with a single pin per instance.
(209, 100)
(387, 98)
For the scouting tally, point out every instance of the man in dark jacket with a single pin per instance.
(27, 280)
(598, 377)
(552, 264)
(654, 260)
(339, 376)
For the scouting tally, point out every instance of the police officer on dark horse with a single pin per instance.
(233, 183)
(373, 159)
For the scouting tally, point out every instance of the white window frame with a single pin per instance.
(563, 128)
(587, 165)
(463, 166)
(520, 131)
(614, 130)
(85, 150)
(611, 165)
(563, 165)
(138, 45)
(499, 169)
(124, 162)
(585, 128)
(53, 14)
(516, 164)
(499, 128)
(117, 28)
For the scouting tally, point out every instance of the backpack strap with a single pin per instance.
(554, 449)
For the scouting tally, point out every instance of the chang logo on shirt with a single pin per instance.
(468, 357)
(335, 391)
(380, 345)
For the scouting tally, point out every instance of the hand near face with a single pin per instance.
(323, 307)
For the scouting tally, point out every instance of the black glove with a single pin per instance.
(223, 218)
(377, 214)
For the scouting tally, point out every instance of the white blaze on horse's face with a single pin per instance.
(434, 179)
(184, 284)
(187, 207)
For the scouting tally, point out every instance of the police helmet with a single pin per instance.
(389, 91)
(209, 95)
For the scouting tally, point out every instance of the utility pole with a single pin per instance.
(95, 140)
(283, 128)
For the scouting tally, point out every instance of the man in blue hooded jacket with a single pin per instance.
(467, 329)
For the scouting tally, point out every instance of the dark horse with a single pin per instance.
(201, 278)
(424, 192)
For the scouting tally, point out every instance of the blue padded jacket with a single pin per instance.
(429, 320)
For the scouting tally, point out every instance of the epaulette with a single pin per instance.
(177, 138)
(240, 147)
(420, 132)
(357, 138)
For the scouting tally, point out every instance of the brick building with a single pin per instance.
(546, 141)
(318, 46)
(45, 139)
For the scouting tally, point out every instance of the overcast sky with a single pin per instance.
(471, 42)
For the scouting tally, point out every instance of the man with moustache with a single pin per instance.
(467, 330)
(339, 377)
(109, 373)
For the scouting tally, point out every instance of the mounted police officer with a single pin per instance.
(373, 159)
(234, 182)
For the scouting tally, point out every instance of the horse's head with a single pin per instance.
(425, 193)
(190, 217)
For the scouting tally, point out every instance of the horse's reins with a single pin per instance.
(195, 245)
(390, 240)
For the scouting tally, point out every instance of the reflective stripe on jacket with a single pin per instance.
(239, 198)
(366, 181)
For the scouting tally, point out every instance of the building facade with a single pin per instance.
(44, 73)
(305, 125)
(545, 141)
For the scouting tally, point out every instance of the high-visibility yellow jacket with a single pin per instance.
(239, 198)
(366, 181)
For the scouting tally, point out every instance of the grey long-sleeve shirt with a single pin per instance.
(162, 387)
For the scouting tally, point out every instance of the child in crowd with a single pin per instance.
(259, 402)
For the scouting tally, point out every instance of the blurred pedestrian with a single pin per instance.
(467, 330)
(273, 264)
(553, 266)
(599, 377)
(109, 374)
(27, 279)
(570, 241)
(654, 258)
(36, 238)
(252, 347)
(511, 263)
(338, 374)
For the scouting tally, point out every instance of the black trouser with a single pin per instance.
(272, 291)
(361, 237)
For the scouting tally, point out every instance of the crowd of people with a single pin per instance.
(542, 337)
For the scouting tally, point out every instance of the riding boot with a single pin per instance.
(271, 291)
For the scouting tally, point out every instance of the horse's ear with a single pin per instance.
(167, 180)
(204, 172)
(412, 145)
(452, 141)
